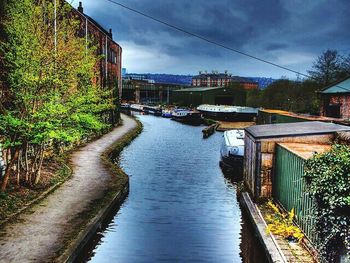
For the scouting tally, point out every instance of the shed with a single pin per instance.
(336, 100)
(260, 146)
(204, 95)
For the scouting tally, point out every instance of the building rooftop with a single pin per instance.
(340, 87)
(300, 115)
(295, 129)
(304, 150)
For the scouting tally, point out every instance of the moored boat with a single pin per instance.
(228, 113)
(232, 151)
(167, 113)
(156, 111)
(125, 106)
(187, 116)
(136, 107)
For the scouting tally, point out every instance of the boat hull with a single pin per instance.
(195, 120)
(229, 116)
(167, 115)
(232, 166)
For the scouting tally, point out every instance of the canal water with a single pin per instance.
(180, 207)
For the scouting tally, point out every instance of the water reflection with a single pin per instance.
(180, 207)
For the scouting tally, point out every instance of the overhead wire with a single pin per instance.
(214, 42)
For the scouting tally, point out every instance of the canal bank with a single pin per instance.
(51, 227)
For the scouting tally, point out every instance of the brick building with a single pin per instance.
(110, 65)
(216, 79)
(335, 100)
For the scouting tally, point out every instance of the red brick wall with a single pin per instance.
(99, 37)
(341, 99)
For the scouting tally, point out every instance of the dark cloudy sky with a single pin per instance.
(291, 33)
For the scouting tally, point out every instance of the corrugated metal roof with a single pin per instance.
(306, 151)
(294, 129)
(341, 87)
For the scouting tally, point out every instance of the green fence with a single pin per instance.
(289, 190)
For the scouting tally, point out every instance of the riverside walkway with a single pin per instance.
(38, 233)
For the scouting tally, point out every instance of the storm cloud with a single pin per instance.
(290, 32)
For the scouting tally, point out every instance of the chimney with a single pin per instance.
(110, 33)
(80, 7)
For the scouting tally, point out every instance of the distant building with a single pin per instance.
(204, 95)
(336, 100)
(109, 66)
(123, 72)
(132, 76)
(216, 79)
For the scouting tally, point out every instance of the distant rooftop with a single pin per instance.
(295, 129)
(340, 87)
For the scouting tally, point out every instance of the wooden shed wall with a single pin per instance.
(259, 159)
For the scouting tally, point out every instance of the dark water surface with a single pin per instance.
(180, 207)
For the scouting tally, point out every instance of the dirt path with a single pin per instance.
(36, 236)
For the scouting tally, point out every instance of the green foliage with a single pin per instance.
(240, 98)
(328, 178)
(284, 94)
(281, 224)
(330, 67)
(50, 97)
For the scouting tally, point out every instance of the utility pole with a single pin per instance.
(55, 26)
(86, 35)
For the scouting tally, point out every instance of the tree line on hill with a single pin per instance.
(299, 95)
(48, 101)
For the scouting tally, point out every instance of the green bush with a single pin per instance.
(328, 178)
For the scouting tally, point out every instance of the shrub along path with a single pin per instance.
(38, 234)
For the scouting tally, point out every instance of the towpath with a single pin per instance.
(37, 235)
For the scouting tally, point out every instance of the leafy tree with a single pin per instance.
(240, 93)
(51, 101)
(254, 98)
(327, 68)
(345, 67)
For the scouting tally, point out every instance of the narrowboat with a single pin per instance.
(228, 113)
(232, 151)
(136, 107)
(125, 106)
(187, 116)
(154, 110)
(167, 113)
